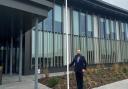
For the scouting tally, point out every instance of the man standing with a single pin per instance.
(80, 67)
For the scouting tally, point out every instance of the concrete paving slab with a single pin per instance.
(11, 82)
(117, 85)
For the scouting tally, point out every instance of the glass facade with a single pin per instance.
(107, 34)
(76, 22)
(57, 19)
(100, 39)
(82, 24)
(89, 25)
(47, 24)
(102, 28)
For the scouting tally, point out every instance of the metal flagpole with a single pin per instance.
(67, 45)
(36, 54)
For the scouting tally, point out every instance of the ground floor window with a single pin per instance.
(53, 49)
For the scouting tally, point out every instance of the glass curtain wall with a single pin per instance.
(101, 39)
(90, 27)
(50, 40)
(76, 43)
(82, 34)
(58, 56)
(102, 31)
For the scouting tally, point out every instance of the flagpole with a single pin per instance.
(67, 45)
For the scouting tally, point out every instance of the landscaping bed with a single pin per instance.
(94, 77)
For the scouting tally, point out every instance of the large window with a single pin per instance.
(82, 24)
(89, 26)
(117, 30)
(40, 45)
(113, 25)
(126, 31)
(122, 31)
(102, 28)
(47, 26)
(58, 19)
(75, 23)
(47, 60)
(58, 56)
(107, 35)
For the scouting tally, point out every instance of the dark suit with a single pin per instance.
(80, 63)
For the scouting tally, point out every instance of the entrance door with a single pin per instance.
(5, 59)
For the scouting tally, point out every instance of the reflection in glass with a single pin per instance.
(47, 25)
(82, 24)
(58, 19)
(75, 23)
(89, 26)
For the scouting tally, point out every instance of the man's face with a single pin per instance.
(78, 51)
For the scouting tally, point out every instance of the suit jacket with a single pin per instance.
(79, 65)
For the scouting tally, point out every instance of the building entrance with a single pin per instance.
(7, 54)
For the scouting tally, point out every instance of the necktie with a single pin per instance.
(78, 58)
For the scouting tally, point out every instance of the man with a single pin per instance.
(80, 67)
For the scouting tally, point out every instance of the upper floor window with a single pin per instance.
(89, 25)
(107, 35)
(102, 27)
(75, 23)
(82, 24)
(117, 30)
(122, 31)
(47, 24)
(126, 31)
(58, 18)
(113, 25)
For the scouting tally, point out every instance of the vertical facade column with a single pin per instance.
(36, 54)
(96, 46)
(11, 54)
(20, 61)
(6, 60)
(2, 49)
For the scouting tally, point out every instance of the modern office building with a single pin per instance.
(99, 29)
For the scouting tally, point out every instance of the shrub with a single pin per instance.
(52, 82)
(46, 72)
(116, 68)
(125, 70)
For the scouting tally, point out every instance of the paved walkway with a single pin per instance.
(11, 82)
(117, 85)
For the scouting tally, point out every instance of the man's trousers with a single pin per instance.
(79, 79)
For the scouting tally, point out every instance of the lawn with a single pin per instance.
(93, 77)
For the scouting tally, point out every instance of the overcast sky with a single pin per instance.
(120, 3)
